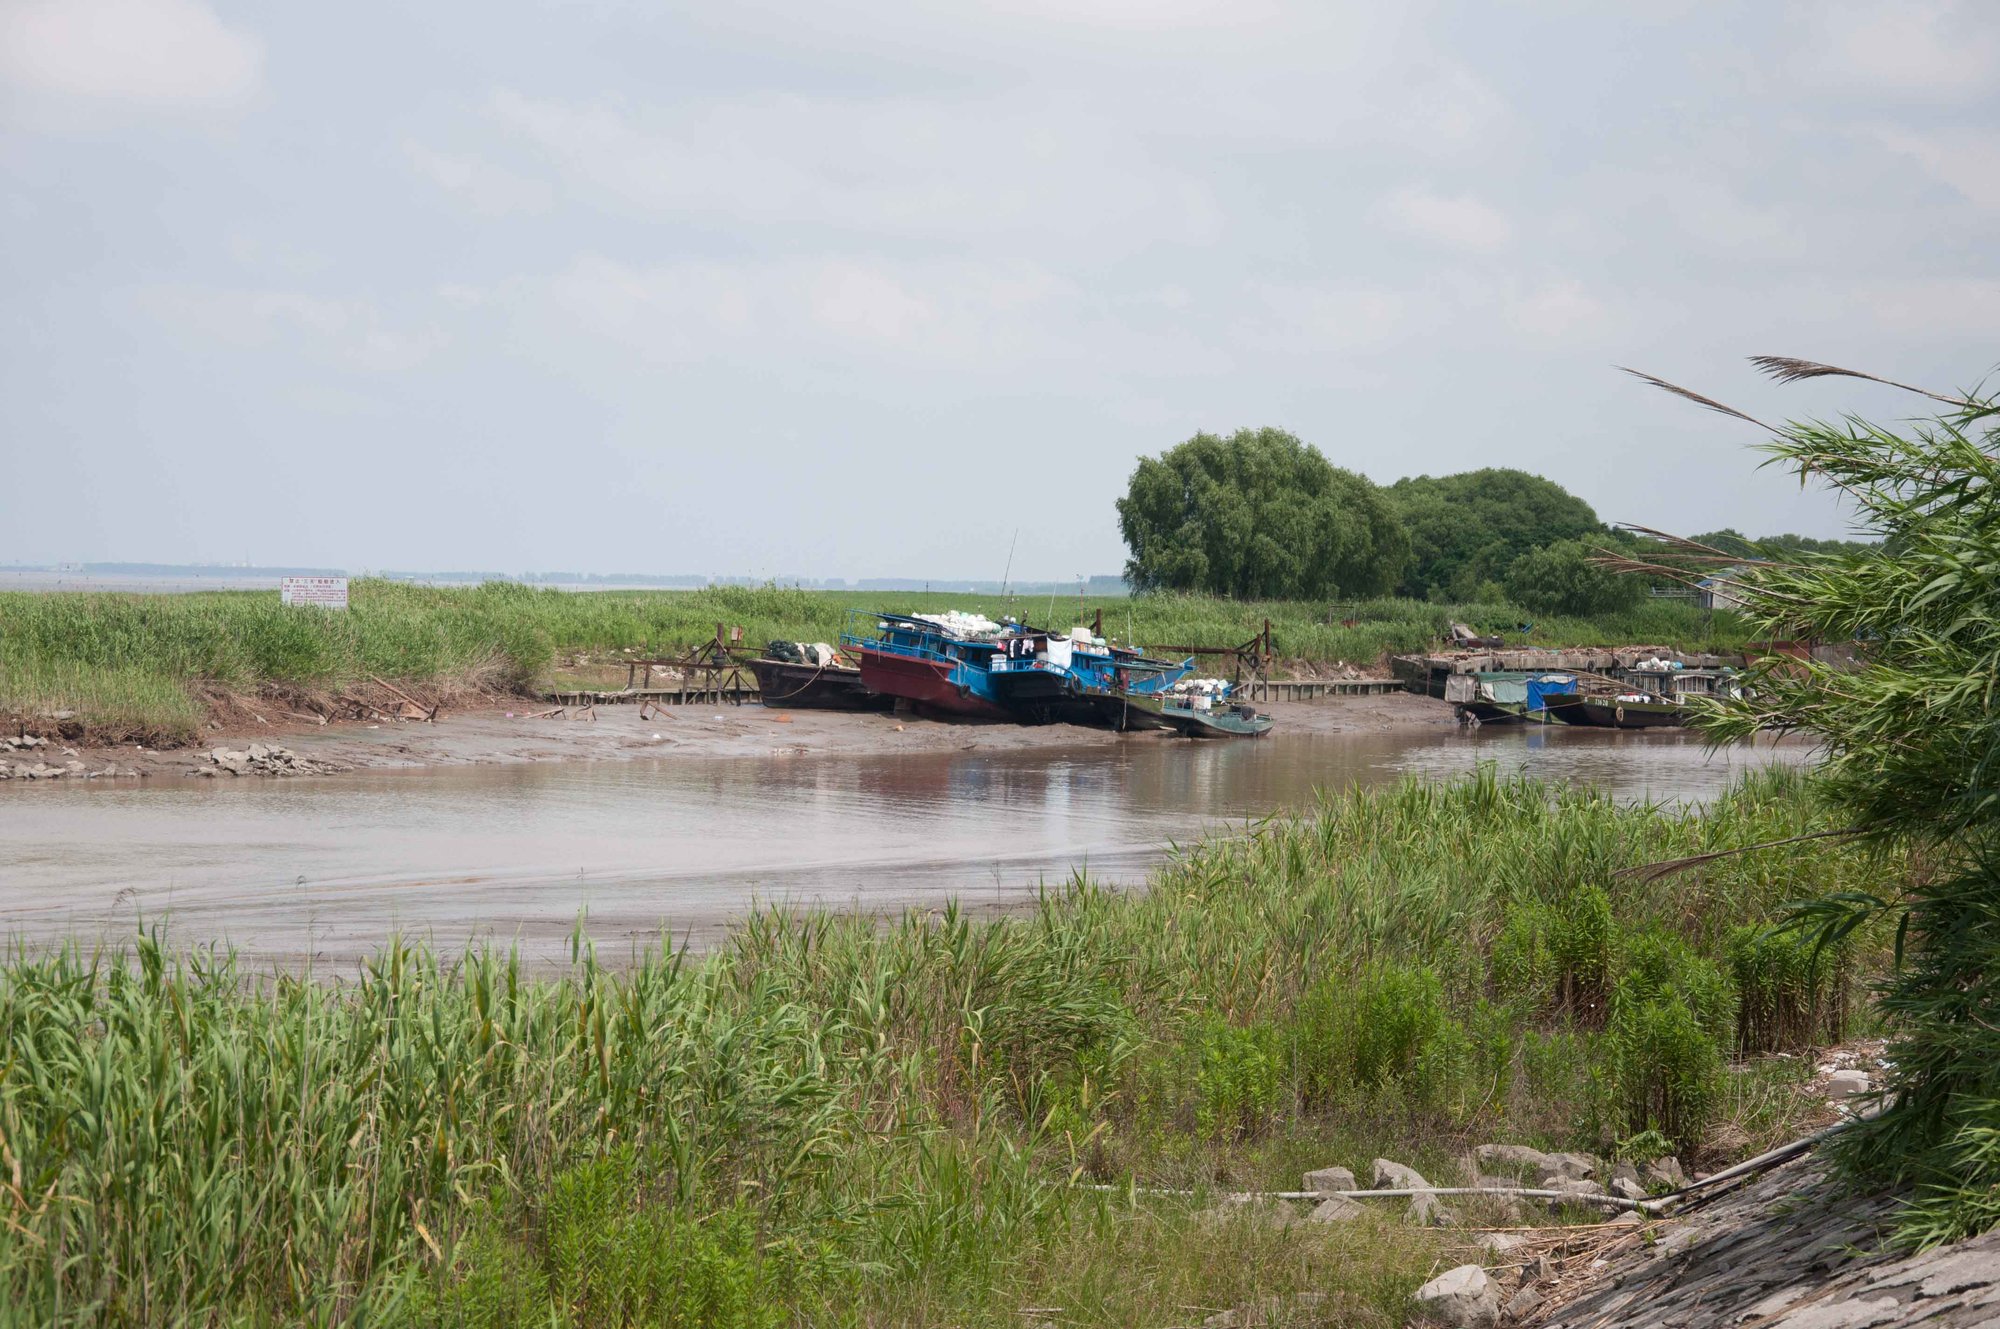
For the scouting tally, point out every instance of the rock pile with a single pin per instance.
(260, 759)
(39, 769)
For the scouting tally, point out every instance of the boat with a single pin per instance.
(1197, 708)
(1043, 676)
(1507, 696)
(936, 662)
(1186, 717)
(812, 676)
(1656, 696)
(1624, 710)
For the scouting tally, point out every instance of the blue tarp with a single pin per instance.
(1548, 684)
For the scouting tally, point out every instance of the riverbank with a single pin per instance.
(832, 1122)
(161, 670)
(506, 734)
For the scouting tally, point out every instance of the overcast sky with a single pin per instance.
(837, 289)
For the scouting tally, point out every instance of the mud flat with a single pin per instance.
(505, 735)
(535, 827)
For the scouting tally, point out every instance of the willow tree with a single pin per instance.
(1258, 514)
(1910, 741)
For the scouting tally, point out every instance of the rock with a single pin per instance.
(1565, 1167)
(1335, 1209)
(1499, 1242)
(1517, 1157)
(236, 763)
(1625, 1171)
(261, 752)
(1394, 1176)
(1854, 1314)
(1626, 1218)
(1425, 1211)
(1523, 1304)
(1627, 1188)
(1572, 1187)
(1464, 1298)
(1326, 1179)
(1845, 1084)
(1666, 1172)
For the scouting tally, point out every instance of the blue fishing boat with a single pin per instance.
(1043, 676)
(937, 662)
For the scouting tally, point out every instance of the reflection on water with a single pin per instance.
(333, 865)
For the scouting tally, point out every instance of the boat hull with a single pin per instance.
(925, 683)
(783, 684)
(1604, 713)
(1217, 722)
(1496, 712)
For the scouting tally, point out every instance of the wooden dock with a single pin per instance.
(691, 696)
(1318, 689)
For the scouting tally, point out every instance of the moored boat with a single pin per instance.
(1507, 697)
(1044, 676)
(812, 676)
(1619, 711)
(937, 662)
(1197, 708)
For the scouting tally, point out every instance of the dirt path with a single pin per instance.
(503, 735)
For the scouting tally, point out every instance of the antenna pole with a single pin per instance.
(1007, 577)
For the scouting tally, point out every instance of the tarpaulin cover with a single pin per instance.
(1550, 684)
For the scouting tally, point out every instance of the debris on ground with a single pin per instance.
(260, 759)
(39, 769)
(1465, 1298)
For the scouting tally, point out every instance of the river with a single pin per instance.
(330, 866)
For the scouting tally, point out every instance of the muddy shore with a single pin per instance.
(500, 735)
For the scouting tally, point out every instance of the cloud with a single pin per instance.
(1965, 160)
(489, 190)
(350, 331)
(977, 316)
(1927, 51)
(1558, 310)
(1023, 164)
(1454, 221)
(152, 53)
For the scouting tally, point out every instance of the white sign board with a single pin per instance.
(326, 592)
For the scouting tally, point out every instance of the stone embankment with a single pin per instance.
(1778, 1249)
(1786, 1251)
(260, 759)
(26, 757)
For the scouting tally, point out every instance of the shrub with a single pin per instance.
(1791, 991)
(1669, 1071)
(1237, 1070)
(1560, 955)
(1387, 1028)
(1656, 964)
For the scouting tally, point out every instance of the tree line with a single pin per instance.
(1262, 515)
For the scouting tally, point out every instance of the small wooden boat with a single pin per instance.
(814, 687)
(1233, 721)
(1507, 697)
(1601, 712)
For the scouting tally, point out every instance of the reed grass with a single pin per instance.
(144, 667)
(829, 1122)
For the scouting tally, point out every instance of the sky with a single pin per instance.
(833, 289)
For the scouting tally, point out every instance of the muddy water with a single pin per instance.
(330, 866)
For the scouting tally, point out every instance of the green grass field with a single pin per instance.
(829, 1123)
(145, 666)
